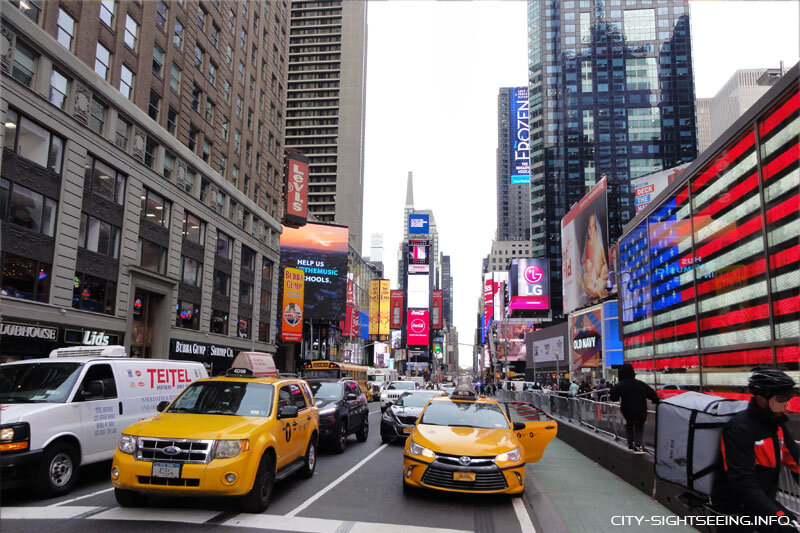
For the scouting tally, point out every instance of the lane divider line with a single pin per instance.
(522, 515)
(80, 497)
(341, 478)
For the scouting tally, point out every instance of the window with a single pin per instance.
(640, 24)
(187, 315)
(126, 82)
(154, 107)
(30, 8)
(169, 165)
(219, 322)
(25, 278)
(223, 164)
(235, 176)
(177, 38)
(263, 331)
(24, 64)
(226, 87)
(192, 137)
(248, 258)
(229, 56)
(201, 17)
(219, 202)
(245, 293)
(66, 29)
(188, 181)
(103, 180)
(247, 154)
(194, 229)
(192, 272)
(212, 72)
(97, 116)
(107, 10)
(214, 35)
(238, 106)
(199, 54)
(209, 112)
(162, 12)
(237, 140)
(243, 41)
(222, 283)
(155, 209)
(90, 293)
(244, 327)
(58, 89)
(241, 72)
(28, 209)
(98, 236)
(224, 130)
(266, 269)
(158, 61)
(249, 119)
(152, 256)
(122, 133)
(175, 79)
(206, 155)
(204, 185)
(196, 94)
(150, 147)
(224, 245)
(172, 120)
(231, 19)
(131, 32)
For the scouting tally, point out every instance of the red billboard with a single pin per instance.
(296, 190)
(436, 311)
(417, 327)
(351, 326)
(396, 317)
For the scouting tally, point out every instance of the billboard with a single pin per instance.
(351, 322)
(646, 188)
(488, 301)
(319, 250)
(418, 257)
(417, 323)
(584, 250)
(363, 325)
(296, 171)
(418, 289)
(548, 350)
(500, 285)
(396, 317)
(519, 135)
(436, 310)
(383, 321)
(418, 224)
(612, 345)
(511, 340)
(586, 338)
(292, 306)
(374, 308)
(529, 284)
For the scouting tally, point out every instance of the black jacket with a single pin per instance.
(754, 444)
(633, 393)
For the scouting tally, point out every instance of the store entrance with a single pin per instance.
(144, 311)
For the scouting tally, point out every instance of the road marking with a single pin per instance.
(324, 525)
(81, 497)
(336, 482)
(373, 412)
(522, 515)
(40, 513)
(188, 516)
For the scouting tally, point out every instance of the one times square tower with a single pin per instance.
(611, 92)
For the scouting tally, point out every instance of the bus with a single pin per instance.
(379, 378)
(336, 370)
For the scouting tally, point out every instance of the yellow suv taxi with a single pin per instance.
(469, 443)
(233, 435)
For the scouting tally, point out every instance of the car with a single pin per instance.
(343, 411)
(232, 435)
(469, 443)
(395, 390)
(398, 419)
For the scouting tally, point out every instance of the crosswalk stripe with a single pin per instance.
(304, 524)
(187, 516)
(46, 513)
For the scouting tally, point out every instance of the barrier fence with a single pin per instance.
(606, 418)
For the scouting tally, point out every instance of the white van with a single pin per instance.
(68, 410)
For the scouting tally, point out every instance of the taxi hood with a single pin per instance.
(195, 426)
(464, 441)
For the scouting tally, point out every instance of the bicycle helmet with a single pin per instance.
(770, 382)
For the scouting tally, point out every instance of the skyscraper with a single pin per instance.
(325, 105)
(513, 179)
(611, 93)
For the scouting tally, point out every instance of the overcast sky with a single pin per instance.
(433, 73)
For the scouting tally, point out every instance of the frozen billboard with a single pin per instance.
(519, 134)
(584, 250)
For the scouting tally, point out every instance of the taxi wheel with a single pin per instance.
(58, 471)
(129, 498)
(257, 499)
(363, 433)
(341, 438)
(310, 461)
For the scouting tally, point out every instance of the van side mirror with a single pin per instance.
(519, 426)
(162, 405)
(288, 411)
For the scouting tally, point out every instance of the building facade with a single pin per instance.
(142, 176)
(503, 251)
(704, 137)
(326, 100)
(611, 94)
(513, 190)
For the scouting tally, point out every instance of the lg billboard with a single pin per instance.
(529, 284)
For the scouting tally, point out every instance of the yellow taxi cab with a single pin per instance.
(469, 443)
(234, 435)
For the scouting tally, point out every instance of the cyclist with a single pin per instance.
(754, 444)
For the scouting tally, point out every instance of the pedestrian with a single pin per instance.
(584, 388)
(755, 443)
(524, 387)
(633, 395)
(573, 389)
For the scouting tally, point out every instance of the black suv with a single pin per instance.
(343, 411)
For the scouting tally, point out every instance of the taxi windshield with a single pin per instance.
(326, 390)
(411, 399)
(37, 382)
(224, 398)
(465, 414)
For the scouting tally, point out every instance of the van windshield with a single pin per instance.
(402, 385)
(224, 398)
(37, 382)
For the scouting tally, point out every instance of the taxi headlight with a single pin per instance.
(416, 449)
(513, 456)
(225, 449)
(127, 444)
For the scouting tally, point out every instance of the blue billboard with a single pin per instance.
(612, 345)
(363, 324)
(418, 223)
(519, 135)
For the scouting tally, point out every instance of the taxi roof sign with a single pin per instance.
(463, 393)
(253, 364)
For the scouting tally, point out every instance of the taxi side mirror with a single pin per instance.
(161, 406)
(288, 411)
(519, 426)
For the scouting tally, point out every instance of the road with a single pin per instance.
(357, 491)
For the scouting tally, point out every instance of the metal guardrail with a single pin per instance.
(606, 418)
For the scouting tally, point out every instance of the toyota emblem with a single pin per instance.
(465, 460)
(171, 450)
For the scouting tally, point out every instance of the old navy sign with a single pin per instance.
(519, 135)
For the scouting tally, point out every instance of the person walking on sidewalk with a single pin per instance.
(633, 395)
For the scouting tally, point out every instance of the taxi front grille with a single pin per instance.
(169, 482)
(455, 460)
(190, 451)
(484, 481)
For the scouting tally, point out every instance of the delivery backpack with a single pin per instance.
(688, 428)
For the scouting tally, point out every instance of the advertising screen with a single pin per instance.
(436, 310)
(418, 332)
(374, 308)
(396, 319)
(584, 250)
(612, 345)
(529, 284)
(292, 307)
(418, 291)
(519, 136)
(296, 189)
(363, 324)
(586, 336)
(511, 340)
(383, 315)
(319, 250)
(418, 224)
(488, 301)
(646, 188)
(548, 350)
(499, 301)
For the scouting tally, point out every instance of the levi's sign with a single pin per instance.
(296, 190)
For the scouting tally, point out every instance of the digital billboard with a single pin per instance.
(586, 337)
(418, 291)
(296, 203)
(612, 345)
(383, 316)
(499, 301)
(417, 324)
(584, 250)
(529, 284)
(319, 250)
(418, 257)
(519, 135)
(511, 340)
(436, 310)
(396, 320)
(374, 308)
(418, 224)
(646, 188)
(292, 306)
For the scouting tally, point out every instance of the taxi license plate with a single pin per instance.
(463, 476)
(166, 470)
(407, 430)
